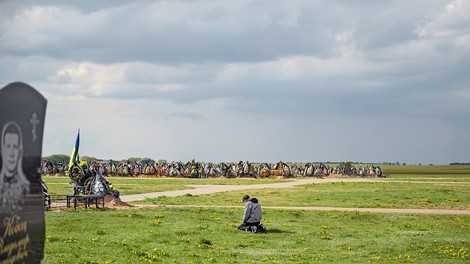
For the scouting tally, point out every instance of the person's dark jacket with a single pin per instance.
(253, 212)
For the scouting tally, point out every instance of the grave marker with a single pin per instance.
(22, 227)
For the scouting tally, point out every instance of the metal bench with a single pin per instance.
(86, 199)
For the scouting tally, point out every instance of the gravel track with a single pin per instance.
(208, 189)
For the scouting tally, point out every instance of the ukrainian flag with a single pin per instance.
(74, 155)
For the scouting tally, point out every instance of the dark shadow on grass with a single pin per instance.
(278, 231)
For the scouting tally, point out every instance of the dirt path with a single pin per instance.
(316, 208)
(208, 189)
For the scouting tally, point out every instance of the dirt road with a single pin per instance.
(208, 189)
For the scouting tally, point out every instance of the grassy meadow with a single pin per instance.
(426, 170)
(166, 234)
(341, 194)
(198, 235)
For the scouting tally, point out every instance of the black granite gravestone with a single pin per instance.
(22, 227)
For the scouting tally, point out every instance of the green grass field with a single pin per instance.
(195, 235)
(355, 195)
(426, 170)
(208, 235)
(435, 173)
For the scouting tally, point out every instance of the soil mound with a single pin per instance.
(113, 202)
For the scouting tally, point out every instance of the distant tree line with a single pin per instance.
(460, 163)
(64, 159)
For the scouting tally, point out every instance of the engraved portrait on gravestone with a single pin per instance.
(22, 219)
(14, 183)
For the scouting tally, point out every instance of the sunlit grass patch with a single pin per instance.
(341, 194)
(195, 235)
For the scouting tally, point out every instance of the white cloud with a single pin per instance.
(454, 20)
(301, 68)
(90, 79)
(146, 78)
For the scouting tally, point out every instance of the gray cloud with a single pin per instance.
(389, 73)
(187, 115)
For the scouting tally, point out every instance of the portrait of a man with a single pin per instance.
(14, 184)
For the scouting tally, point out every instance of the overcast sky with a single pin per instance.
(332, 80)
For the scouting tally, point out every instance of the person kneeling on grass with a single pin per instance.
(252, 215)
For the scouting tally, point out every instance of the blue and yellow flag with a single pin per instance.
(74, 155)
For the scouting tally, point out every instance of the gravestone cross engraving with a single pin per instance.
(22, 227)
